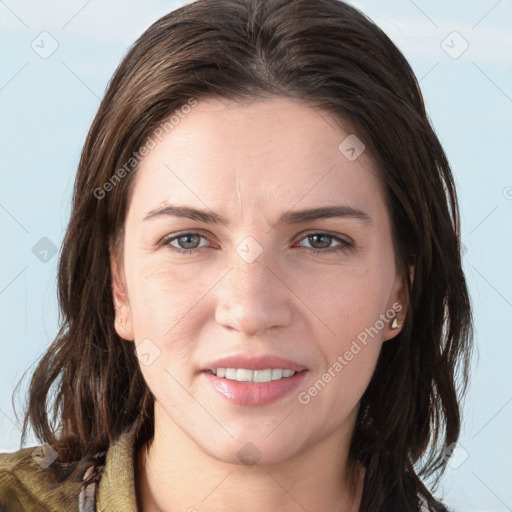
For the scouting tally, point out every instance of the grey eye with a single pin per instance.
(320, 241)
(188, 241)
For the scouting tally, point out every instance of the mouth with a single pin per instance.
(240, 386)
(256, 376)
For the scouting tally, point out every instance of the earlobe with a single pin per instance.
(123, 323)
(398, 310)
(395, 323)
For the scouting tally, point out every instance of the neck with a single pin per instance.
(173, 474)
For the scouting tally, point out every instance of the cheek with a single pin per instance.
(166, 309)
(346, 300)
(349, 302)
(160, 299)
(349, 337)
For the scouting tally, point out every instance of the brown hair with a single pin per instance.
(88, 387)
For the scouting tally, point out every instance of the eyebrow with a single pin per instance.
(292, 217)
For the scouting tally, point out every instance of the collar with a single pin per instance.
(114, 489)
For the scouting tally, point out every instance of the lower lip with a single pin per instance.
(252, 393)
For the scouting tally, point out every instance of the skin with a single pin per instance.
(251, 163)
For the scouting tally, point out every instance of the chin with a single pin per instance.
(253, 450)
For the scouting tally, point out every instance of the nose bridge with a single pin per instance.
(251, 298)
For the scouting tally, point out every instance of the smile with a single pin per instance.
(245, 375)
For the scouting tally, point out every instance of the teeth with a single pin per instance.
(244, 375)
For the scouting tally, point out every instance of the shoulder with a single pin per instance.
(35, 480)
(29, 483)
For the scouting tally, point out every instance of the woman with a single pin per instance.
(263, 300)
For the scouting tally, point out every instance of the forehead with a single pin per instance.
(266, 153)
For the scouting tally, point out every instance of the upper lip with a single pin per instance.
(262, 362)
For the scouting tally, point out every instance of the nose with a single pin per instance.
(254, 297)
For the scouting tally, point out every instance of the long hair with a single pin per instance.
(88, 388)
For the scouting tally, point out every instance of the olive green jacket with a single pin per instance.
(27, 483)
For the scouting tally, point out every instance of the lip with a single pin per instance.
(262, 362)
(252, 393)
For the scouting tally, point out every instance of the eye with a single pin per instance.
(322, 243)
(185, 243)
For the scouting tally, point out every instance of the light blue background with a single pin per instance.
(47, 106)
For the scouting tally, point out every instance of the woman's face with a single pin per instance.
(290, 257)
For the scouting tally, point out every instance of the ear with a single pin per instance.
(398, 306)
(123, 321)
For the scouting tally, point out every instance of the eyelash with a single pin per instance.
(343, 246)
